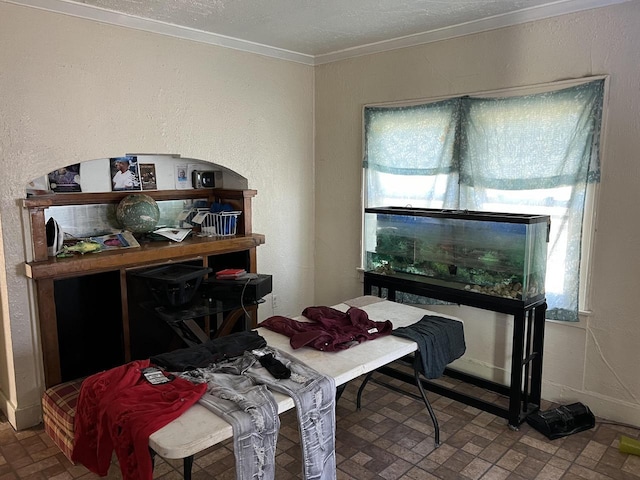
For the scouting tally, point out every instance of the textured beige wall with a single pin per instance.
(596, 361)
(73, 90)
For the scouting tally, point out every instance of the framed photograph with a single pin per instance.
(148, 176)
(66, 179)
(124, 173)
(182, 178)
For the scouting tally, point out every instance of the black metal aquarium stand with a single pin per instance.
(525, 385)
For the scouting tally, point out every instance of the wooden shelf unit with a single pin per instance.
(45, 271)
(239, 199)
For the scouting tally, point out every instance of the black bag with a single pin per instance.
(562, 421)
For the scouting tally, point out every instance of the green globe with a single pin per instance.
(138, 213)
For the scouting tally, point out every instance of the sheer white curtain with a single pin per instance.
(531, 154)
(409, 155)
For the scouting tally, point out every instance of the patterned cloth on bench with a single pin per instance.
(58, 412)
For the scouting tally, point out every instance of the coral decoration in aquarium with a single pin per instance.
(496, 254)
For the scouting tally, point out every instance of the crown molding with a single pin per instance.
(102, 15)
(562, 7)
(110, 17)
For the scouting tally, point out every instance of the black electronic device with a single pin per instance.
(250, 288)
(175, 284)
(203, 179)
(562, 421)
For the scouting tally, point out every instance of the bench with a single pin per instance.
(58, 413)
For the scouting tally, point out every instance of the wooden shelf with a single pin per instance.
(150, 252)
(61, 199)
(114, 265)
(238, 199)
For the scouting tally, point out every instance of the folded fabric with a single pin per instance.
(212, 351)
(329, 329)
(440, 341)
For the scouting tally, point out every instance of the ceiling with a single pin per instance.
(315, 31)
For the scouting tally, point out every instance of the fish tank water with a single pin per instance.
(498, 254)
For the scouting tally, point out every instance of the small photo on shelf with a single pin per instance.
(148, 176)
(124, 173)
(66, 179)
(182, 180)
(114, 241)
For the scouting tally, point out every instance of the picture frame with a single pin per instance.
(65, 179)
(148, 177)
(125, 174)
(182, 180)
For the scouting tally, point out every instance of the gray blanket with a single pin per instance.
(440, 341)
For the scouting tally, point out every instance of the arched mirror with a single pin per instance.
(128, 172)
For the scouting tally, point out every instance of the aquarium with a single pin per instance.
(498, 254)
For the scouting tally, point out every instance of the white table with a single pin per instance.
(198, 428)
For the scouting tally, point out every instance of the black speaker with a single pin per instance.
(203, 179)
(562, 421)
(250, 289)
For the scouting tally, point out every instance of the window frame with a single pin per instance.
(592, 191)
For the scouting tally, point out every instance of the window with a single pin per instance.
(533, 153)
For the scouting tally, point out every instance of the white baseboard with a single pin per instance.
(21, 418)
(603, 407)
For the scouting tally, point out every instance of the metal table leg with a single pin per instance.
(423, 396)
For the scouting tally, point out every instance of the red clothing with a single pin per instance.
(329, 329)
(118, 409)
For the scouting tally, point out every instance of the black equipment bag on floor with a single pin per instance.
(562, 421)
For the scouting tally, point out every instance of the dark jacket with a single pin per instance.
(440, 341)
(329, 329)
